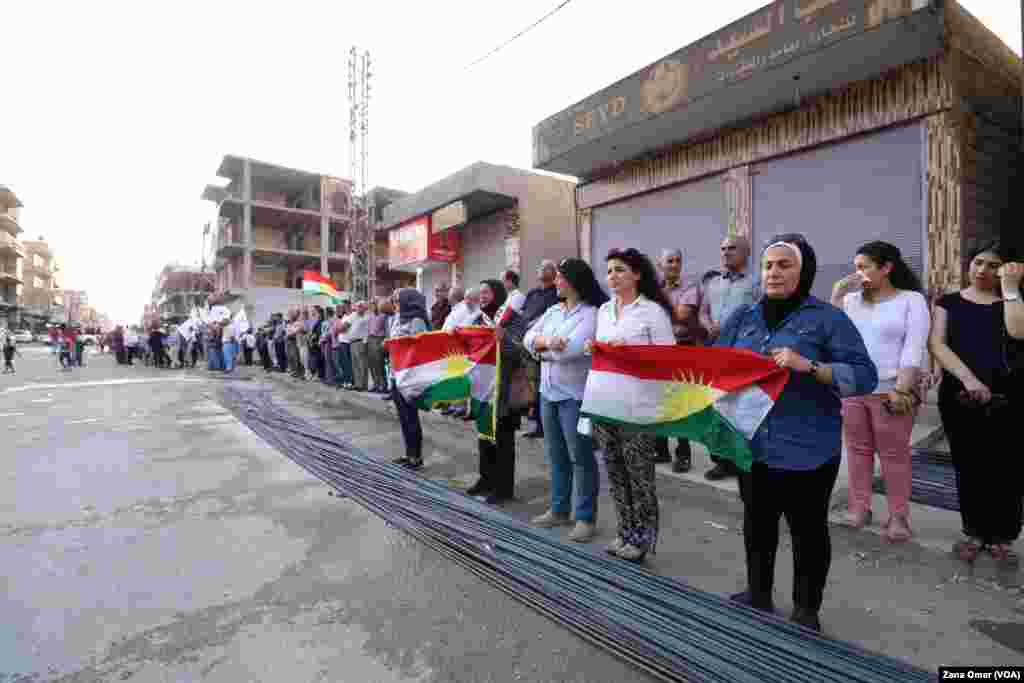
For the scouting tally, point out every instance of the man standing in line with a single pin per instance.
(248, 346)
(342, 345)
(723, 295)
(358, 331)
(685, 299)
(538, 301)
(280, 342)
(441, 307)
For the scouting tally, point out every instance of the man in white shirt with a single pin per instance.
(359, 328)
(464, 306)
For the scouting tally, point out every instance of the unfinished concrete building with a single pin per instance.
(179, 289)
(41, 292)
(274, 223)
(11, 255)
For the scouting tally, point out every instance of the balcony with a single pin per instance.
(9, 245)
(229, 241)
(7, 278)
(9, 224)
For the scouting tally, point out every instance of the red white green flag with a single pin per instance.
(439, 368)
(716, 396)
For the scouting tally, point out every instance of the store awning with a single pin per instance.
(762, 64)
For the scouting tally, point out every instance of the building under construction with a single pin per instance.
(273, 223)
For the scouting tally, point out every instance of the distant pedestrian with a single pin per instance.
(10, 350)
(248, 346)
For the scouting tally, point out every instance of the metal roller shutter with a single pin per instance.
(691, 217)
(483, 252)
(844, 195)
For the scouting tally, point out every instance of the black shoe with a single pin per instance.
(682, 465)
(747, 598)
(535, 434)
(660, 458)
(495, 499)
(413, 464)
(719, 472)
(400, 461)
(807, 618)
(479, 488)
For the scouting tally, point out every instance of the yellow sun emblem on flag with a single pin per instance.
(686, 395)
(458, 364)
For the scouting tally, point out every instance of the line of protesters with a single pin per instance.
(859, 366)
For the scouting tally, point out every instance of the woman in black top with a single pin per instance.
(973, 339)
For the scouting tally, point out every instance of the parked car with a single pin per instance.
(89, 339)
(23, 336)
(43, 338)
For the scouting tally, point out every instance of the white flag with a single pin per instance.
(240, 323)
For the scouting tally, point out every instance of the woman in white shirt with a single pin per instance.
(638, 314)
(892, 316)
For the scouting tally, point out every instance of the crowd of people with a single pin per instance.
(860, 366)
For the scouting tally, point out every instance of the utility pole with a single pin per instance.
(360, 232)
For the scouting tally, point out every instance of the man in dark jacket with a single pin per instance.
(538, 301)
(441, 308)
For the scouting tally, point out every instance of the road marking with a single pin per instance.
(42, 400)
(85, 421)
(101, 383)
(11, 414)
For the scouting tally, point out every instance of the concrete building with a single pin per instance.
(74, 302)
(844, 120)
(11, 255)
(179, 289)
(383, 280)
(274, 223)
(41, 292)
(479, 221)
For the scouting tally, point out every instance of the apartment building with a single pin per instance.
(41, 295)
(74, 301)
(179, 288)
(273, 223)
(11, 255)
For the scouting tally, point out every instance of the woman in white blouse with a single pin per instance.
(638, 314)
(892, 316)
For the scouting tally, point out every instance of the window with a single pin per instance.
(38, 261)
(38, 283)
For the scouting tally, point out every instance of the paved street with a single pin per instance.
(147, 535)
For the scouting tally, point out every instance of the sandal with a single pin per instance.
(1004, 554)
(857, 520)
(967, 548)
(897, 529)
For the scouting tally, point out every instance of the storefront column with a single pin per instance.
(738, 199)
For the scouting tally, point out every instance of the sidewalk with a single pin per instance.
(913, 601)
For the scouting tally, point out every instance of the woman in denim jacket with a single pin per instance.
(797, 449)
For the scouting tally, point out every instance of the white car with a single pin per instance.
(23, 336)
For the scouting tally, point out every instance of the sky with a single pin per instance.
(115, 113)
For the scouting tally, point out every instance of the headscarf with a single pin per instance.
(412, 305)
(500, 294)
(775, 311)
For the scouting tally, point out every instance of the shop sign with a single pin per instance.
(407, 244)
(448, 216)
(773, 35)
(445, 246)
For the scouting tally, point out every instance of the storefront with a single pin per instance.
(846, 121)
(478, 222)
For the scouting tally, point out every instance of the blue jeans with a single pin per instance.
(230, 354)
(214, 358)
(343, 353)
(571, 455)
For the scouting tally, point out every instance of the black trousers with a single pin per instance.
(247, 353)
(412, 431)
(268, 363)
(195, 353)
(282, 355)
(683, 449)
(802, 497)
(988, 470)
(498, 461)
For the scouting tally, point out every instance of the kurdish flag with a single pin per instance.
(716, 396)
(315, 283)
(437, 368)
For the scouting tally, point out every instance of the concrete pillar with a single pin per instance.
(325, 243)
(247, 224)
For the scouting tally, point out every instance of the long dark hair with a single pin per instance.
(648, 284)
(901, 277)
(500, 295)
(581, 278)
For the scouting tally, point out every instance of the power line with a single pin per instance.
(524, 31)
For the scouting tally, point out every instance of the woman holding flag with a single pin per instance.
(638, 314)
(557, 339)
(410, 321)
(796, 449)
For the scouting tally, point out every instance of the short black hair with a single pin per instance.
(512, 276)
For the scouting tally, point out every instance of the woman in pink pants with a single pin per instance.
(892, 316)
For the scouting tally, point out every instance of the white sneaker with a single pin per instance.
(615, 546)
(549, 520)
(582, 532)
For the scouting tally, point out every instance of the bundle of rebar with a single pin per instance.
(671, 630)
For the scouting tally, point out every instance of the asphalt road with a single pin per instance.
(147, 535)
